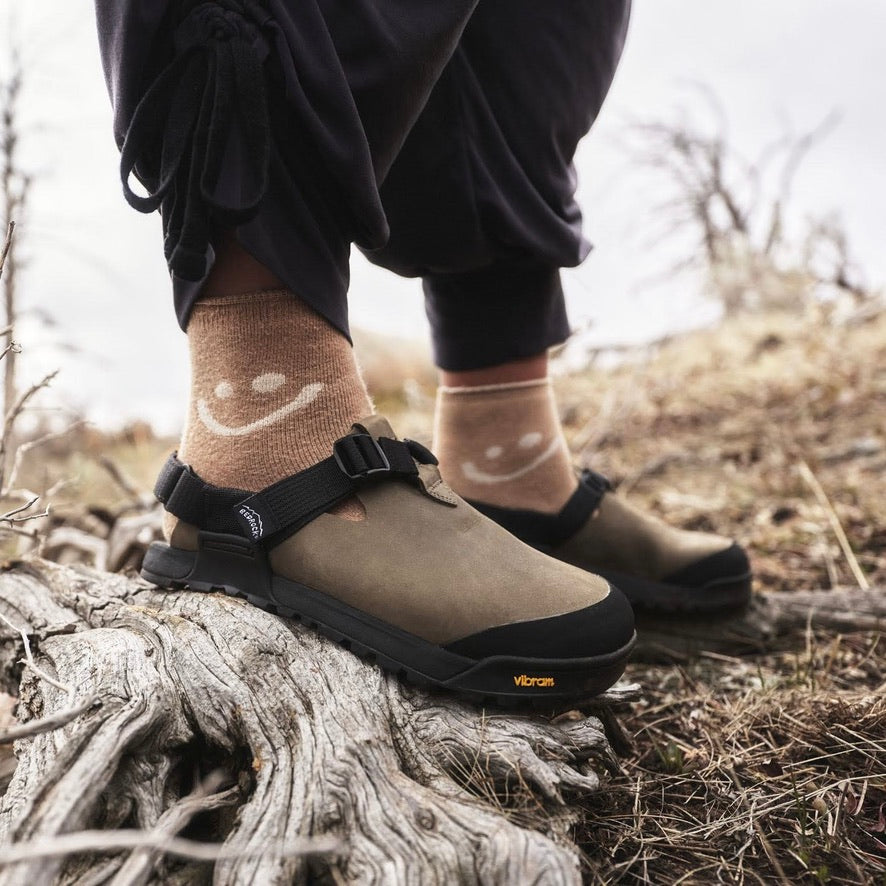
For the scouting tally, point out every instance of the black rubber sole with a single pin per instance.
(722, 596)
(231, 565)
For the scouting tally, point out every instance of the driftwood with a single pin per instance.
(198, 716)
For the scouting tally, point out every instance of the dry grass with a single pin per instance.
(770, 770)
(711, 432)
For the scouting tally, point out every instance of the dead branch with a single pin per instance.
(774, 620)
(119, 476)
(12, 348)
(7, 245)
(737, 208)
(113, 841)
(47, 724)
(12, 414)
(69, 544)
(29, 660)
(17, 515)
(24, 448)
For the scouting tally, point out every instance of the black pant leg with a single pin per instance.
(481, 200)
(278, 119)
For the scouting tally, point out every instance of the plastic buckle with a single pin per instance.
(367, 448)
(597, 482)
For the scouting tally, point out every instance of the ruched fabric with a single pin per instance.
(206, 109)
(438, 137)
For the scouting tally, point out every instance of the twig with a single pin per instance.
(99, 876)
(47, 724)
(24, 448)
(35, 536)
(821, 496)
(29, 503)
(53, 721)
(114, 841)
(138, 867)
(119, 476)
(15, 410)
(7, 244)
(56, 540)
(13, 346)
(12, 516)
(29, 659)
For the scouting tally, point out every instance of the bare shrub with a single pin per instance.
(737, 210)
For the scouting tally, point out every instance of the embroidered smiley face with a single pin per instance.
(266, 384)
(528, 444)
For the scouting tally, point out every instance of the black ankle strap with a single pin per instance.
(277, 511)
(548, 530)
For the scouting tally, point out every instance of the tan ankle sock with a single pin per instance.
(273, 384)
(503, 445)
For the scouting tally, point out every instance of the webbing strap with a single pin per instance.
(289, 504)
(186, 496)
(540, 529)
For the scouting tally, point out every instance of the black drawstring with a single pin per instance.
(193, 113)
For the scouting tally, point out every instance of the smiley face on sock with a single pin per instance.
(523, 456)
(267, 386)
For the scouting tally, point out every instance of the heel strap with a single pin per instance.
(546, 531)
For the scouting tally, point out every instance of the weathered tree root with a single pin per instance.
(774, 620)
(419, 788)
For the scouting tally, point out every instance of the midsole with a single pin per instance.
(216, 566)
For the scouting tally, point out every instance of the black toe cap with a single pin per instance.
(600, 629)
(730, 564)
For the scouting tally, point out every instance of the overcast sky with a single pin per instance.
(96, 267)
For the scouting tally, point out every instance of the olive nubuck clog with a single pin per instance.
(423, 584)
(661, 570)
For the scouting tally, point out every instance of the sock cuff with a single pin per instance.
(241, 298)
(467, 390)
(268, 315)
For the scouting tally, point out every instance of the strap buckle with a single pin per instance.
(595, 481)
(360, 455)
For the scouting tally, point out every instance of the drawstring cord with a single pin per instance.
(207, 105)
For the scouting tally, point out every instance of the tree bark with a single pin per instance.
(219, 722)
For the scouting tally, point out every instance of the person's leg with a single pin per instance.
(488, 216)
(263, 132)
(497, 222)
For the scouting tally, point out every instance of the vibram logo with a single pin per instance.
(253, 521)
(524, 681)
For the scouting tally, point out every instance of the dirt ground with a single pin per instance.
(768, 429)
